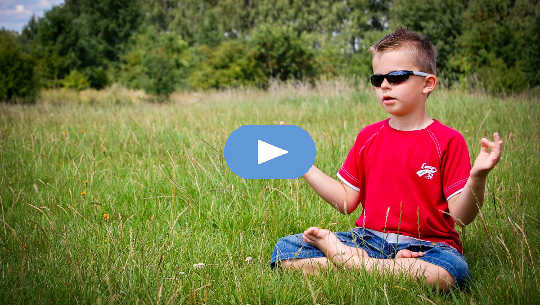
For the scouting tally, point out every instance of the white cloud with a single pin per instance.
(44, 4)
(14, 14)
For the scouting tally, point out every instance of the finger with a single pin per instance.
(496, 146)
(496, 137)
(484, 145)
(498, 141)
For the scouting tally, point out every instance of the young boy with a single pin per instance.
(412, 175)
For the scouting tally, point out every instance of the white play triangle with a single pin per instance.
(267, 152)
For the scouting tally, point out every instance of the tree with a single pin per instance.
(439, 20)
(154, 62)
(499, 47)
(231, 64)
(283, 54)
(83, 35)
(17, 79)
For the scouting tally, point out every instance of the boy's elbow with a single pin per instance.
(462, 221)
(466, 221)
(348, 208)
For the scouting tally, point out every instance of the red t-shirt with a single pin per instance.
(405, 179)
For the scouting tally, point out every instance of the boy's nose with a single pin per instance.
(385, 83)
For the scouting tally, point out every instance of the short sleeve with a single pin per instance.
(351, 173)
(456, 165)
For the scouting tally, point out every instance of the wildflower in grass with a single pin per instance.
(198, 266)
(85, 182)
(83, 193)
(106, 217)
(249, 259)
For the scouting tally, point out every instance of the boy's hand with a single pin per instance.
(488, 157)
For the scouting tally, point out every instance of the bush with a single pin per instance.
(283, 54)
(231, 64)
(97, 77)
(75, 80)
(496, 77)
(18, 82)
(155, 63)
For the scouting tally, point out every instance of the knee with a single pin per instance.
(440, 279)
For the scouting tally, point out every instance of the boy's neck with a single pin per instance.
(409, 123)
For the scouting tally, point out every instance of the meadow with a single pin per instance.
(107, 198)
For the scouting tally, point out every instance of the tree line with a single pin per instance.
(165, 45)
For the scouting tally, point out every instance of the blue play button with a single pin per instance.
(269, 151)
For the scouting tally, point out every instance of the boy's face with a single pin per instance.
(406, 98)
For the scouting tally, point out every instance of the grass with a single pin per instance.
(119, 202)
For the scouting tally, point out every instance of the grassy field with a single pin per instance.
(107, 199)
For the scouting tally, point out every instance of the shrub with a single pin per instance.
(18, 82)
(155, 63)
(97, 77)
(283, 54)
(231, 64)
(496, 77)
(75, 80)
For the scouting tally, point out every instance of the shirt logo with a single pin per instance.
(426, 171)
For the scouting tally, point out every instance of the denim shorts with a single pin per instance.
(440, 254)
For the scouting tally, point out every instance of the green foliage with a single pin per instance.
(493, 45)
(84, 35)
(272, 52)
(439, 20)
(497, 77)
(231, 64)
(334, 60)
(283, 54)
(97, 77)
(499, 44)
(75, 80)
(155, 62)
(18, 82)
(210, 22)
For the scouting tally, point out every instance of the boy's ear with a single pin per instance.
(430, 82)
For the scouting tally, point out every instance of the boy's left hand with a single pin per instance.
(488, 157)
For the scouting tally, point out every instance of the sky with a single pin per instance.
(14, 14)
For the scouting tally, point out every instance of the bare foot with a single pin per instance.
(331, 246)
(323, 239)
(409, 254)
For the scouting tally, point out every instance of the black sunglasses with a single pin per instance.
(394, 77)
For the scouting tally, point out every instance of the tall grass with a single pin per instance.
(132, 202)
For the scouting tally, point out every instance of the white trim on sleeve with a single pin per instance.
(348, 183)
(455, 193)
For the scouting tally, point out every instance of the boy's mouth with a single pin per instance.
(388, 99)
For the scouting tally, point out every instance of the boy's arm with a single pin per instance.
(465, 206)
(342, 197)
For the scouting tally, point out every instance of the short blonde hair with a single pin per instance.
(424, 50)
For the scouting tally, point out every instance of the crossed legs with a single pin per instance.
(339, 255)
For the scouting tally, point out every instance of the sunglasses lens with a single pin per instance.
(376, 79)
(397, 78)
(394, 77)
